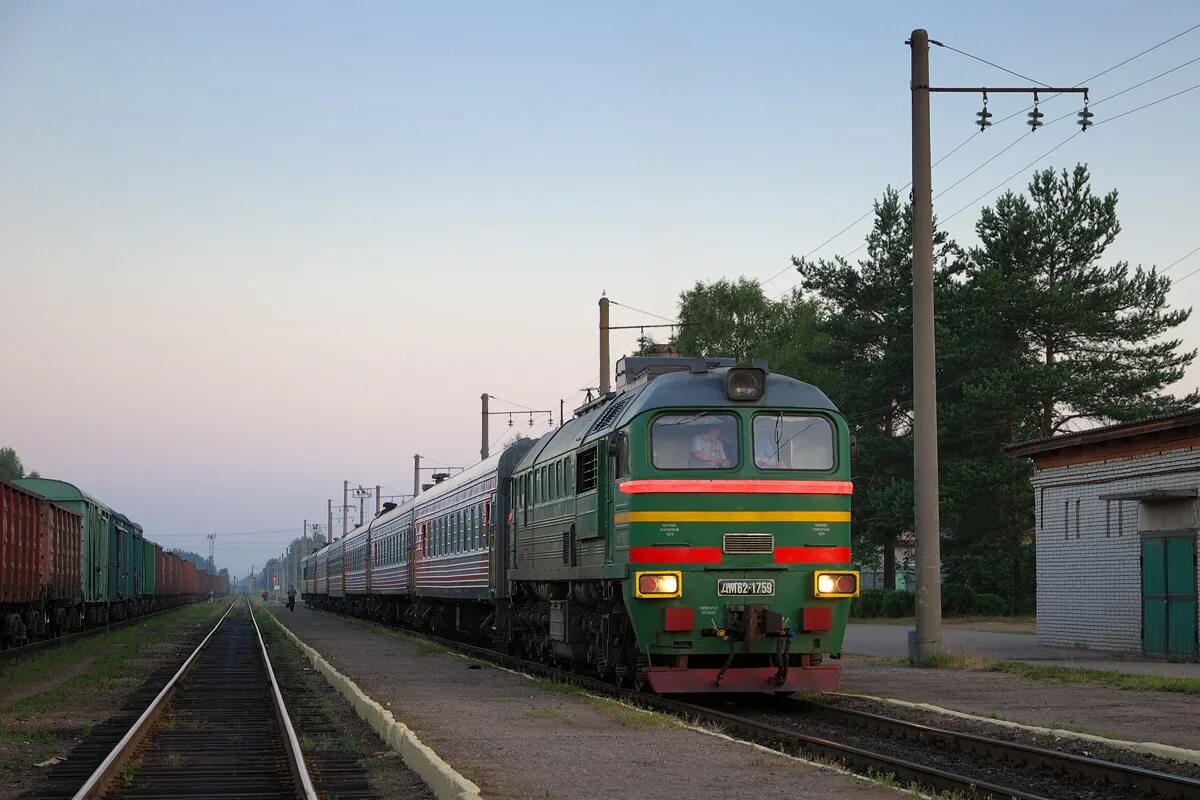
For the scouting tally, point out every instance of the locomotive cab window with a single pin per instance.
(695, 441)
(793, 441)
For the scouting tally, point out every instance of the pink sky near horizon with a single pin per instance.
(257, 250)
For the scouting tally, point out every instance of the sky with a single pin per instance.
(249, 250)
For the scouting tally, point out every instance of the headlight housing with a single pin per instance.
(658, 584)
(745, 383)
(836, 583)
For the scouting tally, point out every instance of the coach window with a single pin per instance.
(558, 477)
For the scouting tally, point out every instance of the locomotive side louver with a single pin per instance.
(743, 543)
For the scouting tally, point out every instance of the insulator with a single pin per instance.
(531, 420)
(1085, 119)
(1035, 119)
(985, 119)
(510, 422)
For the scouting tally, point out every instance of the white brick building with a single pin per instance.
(1117, 525)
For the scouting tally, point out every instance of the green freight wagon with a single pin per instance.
(97, 527)
(148, 600)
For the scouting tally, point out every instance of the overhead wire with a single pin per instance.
(1010, 177)
(510, 402)
(1147, 105)
(1182, 258)
(1104, 72)
(1190, 274)
(647, 313)
(989, 63)
(998, 122)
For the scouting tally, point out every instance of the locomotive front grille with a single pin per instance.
(749, 543)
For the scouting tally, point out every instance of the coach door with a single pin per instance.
(1169, 594)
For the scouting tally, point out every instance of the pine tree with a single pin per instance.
(1084, 341)
(866, 313)
(1048, 336)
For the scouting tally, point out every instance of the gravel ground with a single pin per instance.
(1165, 717)
(525, 739)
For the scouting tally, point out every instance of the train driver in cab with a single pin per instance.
(709, 451)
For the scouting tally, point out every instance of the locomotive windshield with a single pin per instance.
(792, 441)
(695, 441)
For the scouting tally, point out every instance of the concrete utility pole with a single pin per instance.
(345, 507)
(361, 494)
(925, 450)
(483, 442)
(416, 474)
(925, 453)
(605, 361)
(378, 498)
(329, 527)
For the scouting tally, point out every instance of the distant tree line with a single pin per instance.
(1036, 335)
(11, 467)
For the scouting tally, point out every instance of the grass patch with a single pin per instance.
(631, 716)
(1077, 676)
(558, 687)
(1099, 677)
(117, 660)
(548, 713)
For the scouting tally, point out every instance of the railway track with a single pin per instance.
(968, 765)
(219, 728)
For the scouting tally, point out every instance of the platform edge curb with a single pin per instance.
(445, 781)
(1168, 751)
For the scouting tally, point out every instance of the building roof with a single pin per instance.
(1164, 432)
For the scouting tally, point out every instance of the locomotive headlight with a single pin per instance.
(745, 383)
(843, 583)
(658, 584)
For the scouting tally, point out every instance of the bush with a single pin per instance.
(869, 603)
(958, 599)
(899, 603)
(992, 605)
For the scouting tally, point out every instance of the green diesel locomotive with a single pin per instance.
(690, 531)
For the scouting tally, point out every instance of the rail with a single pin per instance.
(106, 776)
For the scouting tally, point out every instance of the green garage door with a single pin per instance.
(1169, 596)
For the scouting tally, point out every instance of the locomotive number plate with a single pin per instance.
(731, 587)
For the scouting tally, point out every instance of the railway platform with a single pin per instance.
(521, 738)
